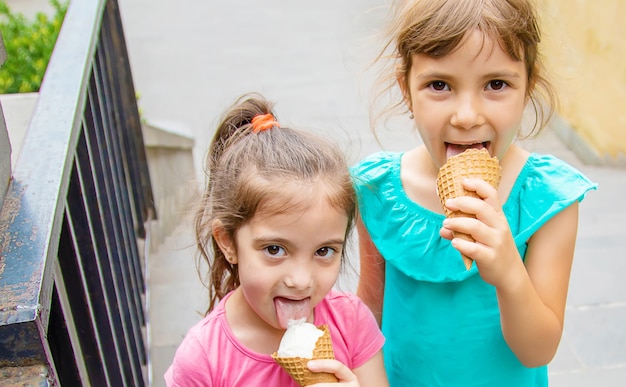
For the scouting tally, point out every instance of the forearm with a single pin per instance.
(372, 373)
(531, 329)
(372, 276)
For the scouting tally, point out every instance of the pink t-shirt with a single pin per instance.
(210, 355)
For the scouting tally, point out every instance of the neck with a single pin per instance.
(512, 163)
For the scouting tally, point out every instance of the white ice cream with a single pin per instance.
(299, 339)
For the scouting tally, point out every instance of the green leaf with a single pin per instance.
(29, 44)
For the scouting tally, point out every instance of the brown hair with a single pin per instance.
(436, 27)
(252, 172)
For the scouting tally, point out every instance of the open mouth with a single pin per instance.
(288, 309)
(455, 149)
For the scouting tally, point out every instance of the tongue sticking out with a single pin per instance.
(455, 149)
(287, 309)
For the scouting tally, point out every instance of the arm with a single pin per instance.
(372, 373)
(532, 302)
(531, 293)
(372, 278)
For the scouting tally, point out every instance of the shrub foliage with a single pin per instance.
(29, 44)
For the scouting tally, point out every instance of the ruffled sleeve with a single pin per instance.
(545, 187)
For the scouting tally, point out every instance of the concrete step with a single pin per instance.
(176, 297)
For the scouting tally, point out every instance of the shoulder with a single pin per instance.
(545, 176)
(354, 331)
(545, 186)
(192, 359)
(348, 303)
(375, 166)
(195, 357)
(343, 309)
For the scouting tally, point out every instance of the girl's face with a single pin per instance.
(288, 262)
(473, 97)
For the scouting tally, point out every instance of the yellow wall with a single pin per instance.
(585, 47)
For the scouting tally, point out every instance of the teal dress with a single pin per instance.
(441, 321)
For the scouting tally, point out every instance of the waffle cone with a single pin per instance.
(296, 366)
(474, 163)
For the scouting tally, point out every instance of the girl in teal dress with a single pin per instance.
(467, 70)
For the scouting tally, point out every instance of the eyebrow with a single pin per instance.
(431, 75)
(282, 241)
(335, 242)
(438, 75)
(503, 74)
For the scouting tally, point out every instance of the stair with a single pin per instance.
(176, 297)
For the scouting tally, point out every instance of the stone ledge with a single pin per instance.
(155, 136)
(18, 110)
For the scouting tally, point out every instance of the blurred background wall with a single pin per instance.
(586, 47)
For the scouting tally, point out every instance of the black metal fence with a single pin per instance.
(72, 308)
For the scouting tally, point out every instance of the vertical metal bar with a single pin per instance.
(131, 124)
(83, 283)
(110, 125)
(96, 262)
(111, 233)
(119, 89)
(120, 258)
(64, 325)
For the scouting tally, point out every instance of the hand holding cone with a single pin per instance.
(297, 368)
(473, 163)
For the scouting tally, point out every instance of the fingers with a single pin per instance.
(483, 189)
(446, 233)
(486, 223)
(481, 209)
(343, 373)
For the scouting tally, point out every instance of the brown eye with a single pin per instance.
(274, 250)
(438, 85)
(497, 85)
(326, 252)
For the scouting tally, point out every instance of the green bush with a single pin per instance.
(29, 44)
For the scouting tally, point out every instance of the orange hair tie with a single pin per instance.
(263, 122)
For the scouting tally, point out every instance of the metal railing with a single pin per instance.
(72, 308)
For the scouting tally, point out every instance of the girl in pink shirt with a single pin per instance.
(272, 226)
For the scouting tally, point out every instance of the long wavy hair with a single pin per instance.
(251, 172)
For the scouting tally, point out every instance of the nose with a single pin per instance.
(299, 276)
(468, 112)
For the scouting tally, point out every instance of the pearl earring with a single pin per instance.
(411, 116)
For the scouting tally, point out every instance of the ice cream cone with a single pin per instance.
(474, 163)
(296, 366)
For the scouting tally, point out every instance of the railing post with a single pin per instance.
(30, 365)
(72, 309)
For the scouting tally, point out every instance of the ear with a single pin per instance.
(401, 78)
(224, 241)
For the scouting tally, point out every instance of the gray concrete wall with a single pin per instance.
(5, 144)
(15, 113)
(172, 174)
(5, 158)
(18, 110)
